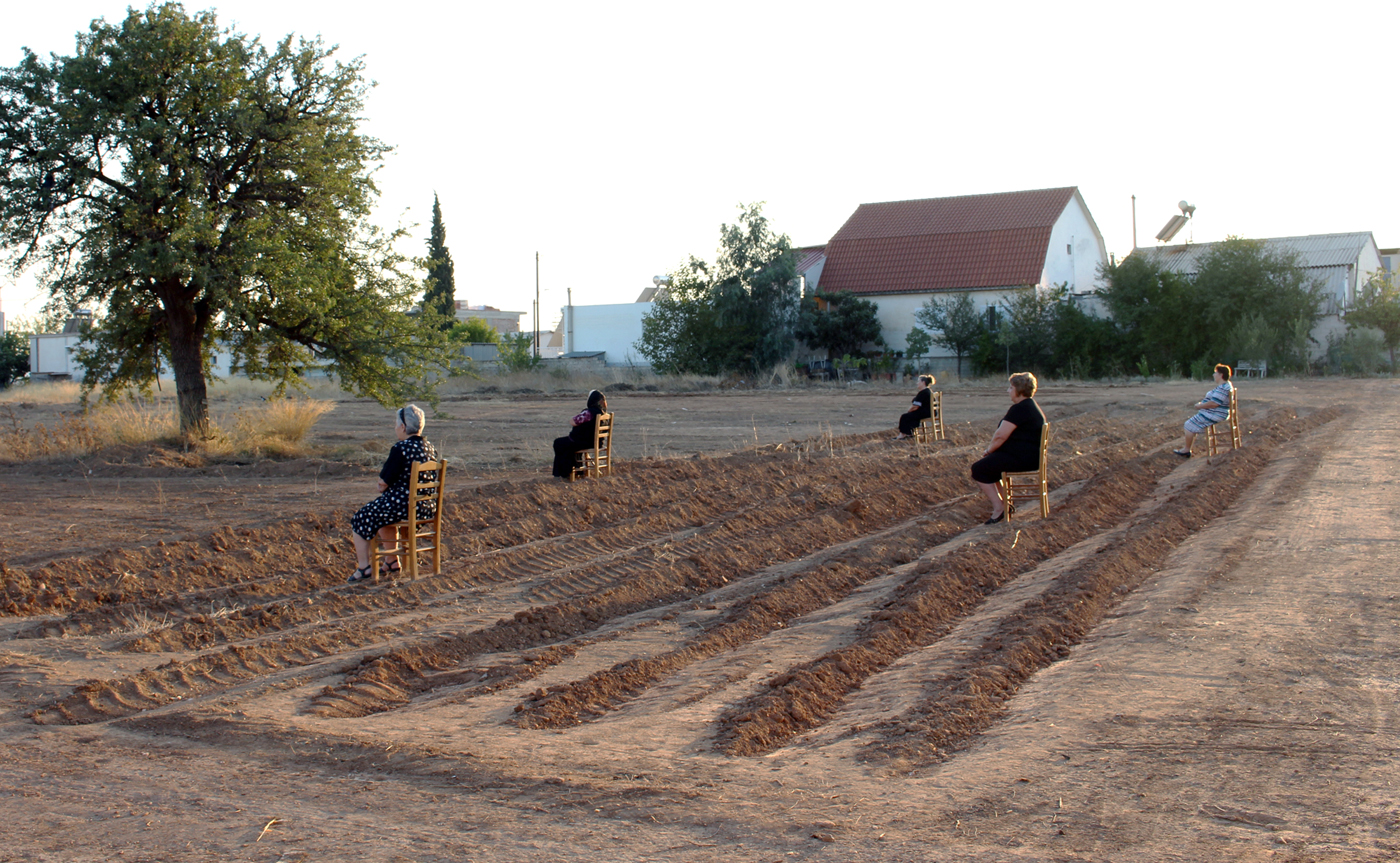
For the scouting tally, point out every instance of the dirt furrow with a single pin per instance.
(944, 481)
(803, 697)
(965, 702)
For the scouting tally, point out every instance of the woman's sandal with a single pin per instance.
(390, 569)
(362, 573)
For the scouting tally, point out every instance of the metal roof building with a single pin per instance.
(1338, 261)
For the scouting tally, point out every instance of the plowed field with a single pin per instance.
(772, 634)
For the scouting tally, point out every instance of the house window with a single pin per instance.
(1068, 250)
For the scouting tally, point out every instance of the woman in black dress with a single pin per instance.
(580, 437)
(921, 409)
(1016, 444)
(392, 504)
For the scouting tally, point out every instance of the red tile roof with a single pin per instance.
(943, 244)
(807, 257)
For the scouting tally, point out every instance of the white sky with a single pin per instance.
(614, 138)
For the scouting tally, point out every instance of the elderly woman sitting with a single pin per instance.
(1211, 409)
(392, 504)
(921, 409)
(1015, 446)
(580, 437)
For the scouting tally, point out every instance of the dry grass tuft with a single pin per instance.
(275, 429)
(135, 422)
(42, 393)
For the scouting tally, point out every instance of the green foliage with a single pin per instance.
(440, 291)
(517, 353)
(1158, 312)
(735, 316)
(1245, 301)
(954, 324)
(917, 343)
(1358, 352)
(195, 185)
(843, 326)
(1378, 307)
(1240, 279)
(14, 357)
(474, 331)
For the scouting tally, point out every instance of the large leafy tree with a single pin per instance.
(195, 185)
(737, 315)
(1244, 296)
(840, 323)
(440, 296)
(1378, 306)
(1240, 280)
(1158, 311)
(953, 324)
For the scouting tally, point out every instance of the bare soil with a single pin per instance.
(773, 634)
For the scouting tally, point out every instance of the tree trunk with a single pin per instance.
(186, 341)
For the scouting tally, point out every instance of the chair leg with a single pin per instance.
(410, 542)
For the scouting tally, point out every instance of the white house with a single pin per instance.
(612, 329)
(901, 253)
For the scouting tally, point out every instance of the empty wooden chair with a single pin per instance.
(1215, 440)
(598, 460)
(931, 429)
(1029, 484)
(415, 535)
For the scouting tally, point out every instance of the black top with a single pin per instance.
(1028, 419)
(582, 433)
(924, 399)
(411, 449)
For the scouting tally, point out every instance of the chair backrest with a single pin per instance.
(425, 482)
(1044, 447)
(602, 442)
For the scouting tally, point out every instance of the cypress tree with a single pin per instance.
(440, 293)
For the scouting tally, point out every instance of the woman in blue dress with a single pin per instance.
(1211, 409)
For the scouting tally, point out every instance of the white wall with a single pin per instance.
(896, 313)
(613, 328)
(1076, 249)
(49, 354)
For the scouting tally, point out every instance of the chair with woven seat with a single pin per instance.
(930, 429)
(1029, 485)
(415, 535)
(1215, 441)
(597, 461)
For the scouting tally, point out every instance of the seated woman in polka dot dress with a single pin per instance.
(392, 504)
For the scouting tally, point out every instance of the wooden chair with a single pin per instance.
(1215, 440)
(1029, 484)
(414, 535)
(598, 460)
(931, 429)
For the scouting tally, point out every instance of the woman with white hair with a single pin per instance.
(392, 504)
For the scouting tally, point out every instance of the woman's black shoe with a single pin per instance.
(996, 520)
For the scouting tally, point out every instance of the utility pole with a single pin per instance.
(537, 305)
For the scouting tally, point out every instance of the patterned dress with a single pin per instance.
(1220, 410)
(392, 505)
